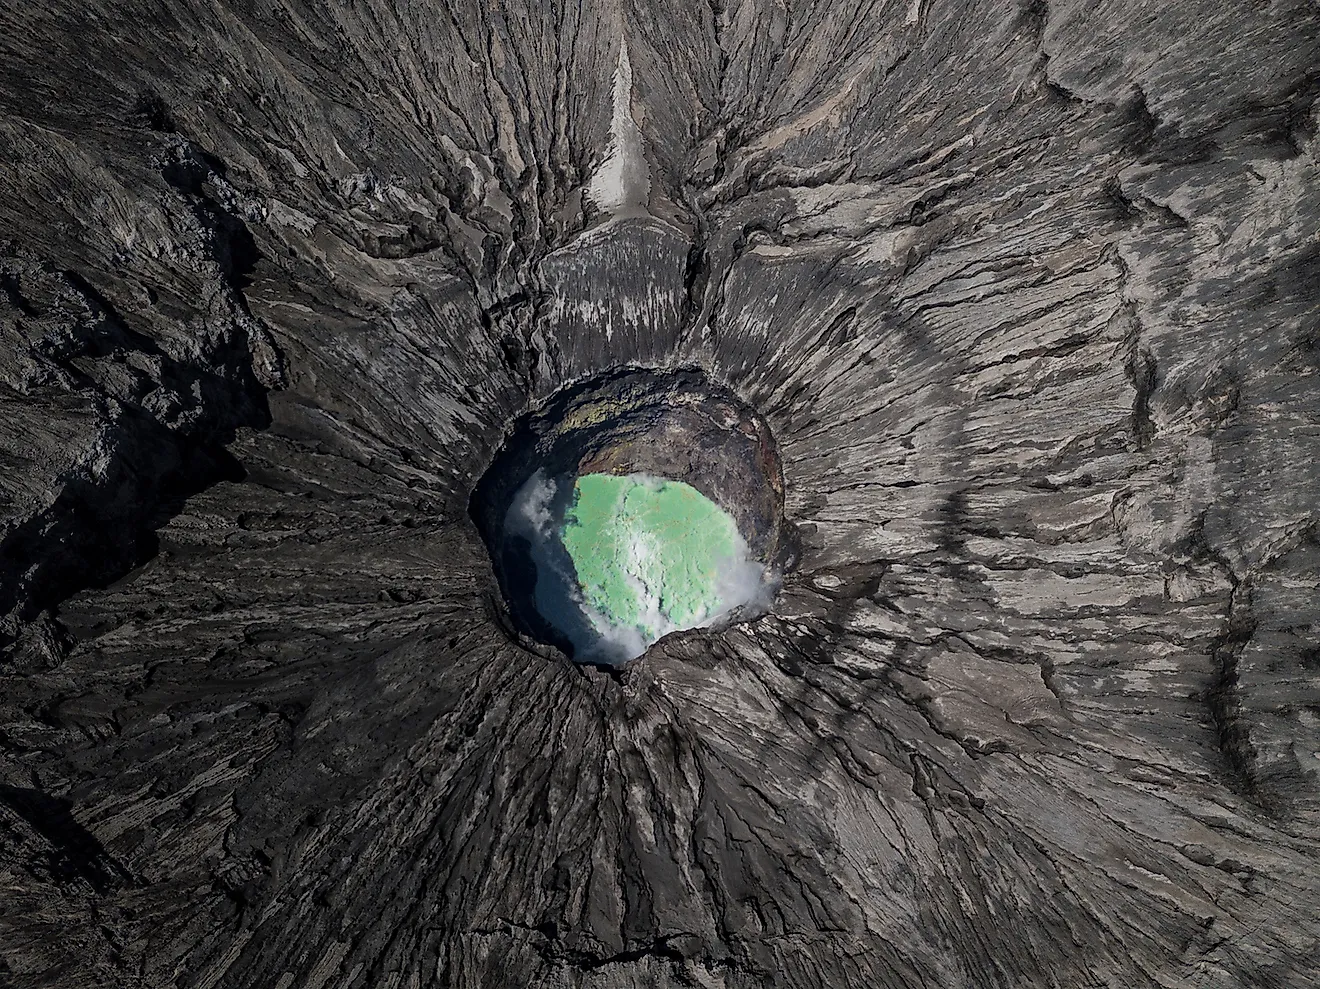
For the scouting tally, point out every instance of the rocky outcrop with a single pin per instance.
(1026, 294)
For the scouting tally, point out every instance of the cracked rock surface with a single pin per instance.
(1028, 294)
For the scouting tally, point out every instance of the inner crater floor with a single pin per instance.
(630, 506)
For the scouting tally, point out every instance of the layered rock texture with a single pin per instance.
(1028, 295)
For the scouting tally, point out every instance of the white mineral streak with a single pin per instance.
(622, 183)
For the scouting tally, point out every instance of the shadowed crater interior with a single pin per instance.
(632, 505)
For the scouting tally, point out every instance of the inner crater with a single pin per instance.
(631, 505)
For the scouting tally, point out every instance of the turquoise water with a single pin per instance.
(648, 553)
(624, 560)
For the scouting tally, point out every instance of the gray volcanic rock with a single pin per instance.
(1029, 295)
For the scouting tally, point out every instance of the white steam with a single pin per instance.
(529, 514)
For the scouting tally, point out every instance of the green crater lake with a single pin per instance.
(649, 553)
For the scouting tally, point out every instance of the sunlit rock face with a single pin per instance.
(652, 506)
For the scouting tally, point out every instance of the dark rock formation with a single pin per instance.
(1029, 295)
